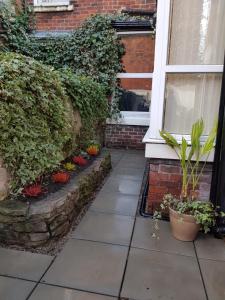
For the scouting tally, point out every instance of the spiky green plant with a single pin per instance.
(190, 157)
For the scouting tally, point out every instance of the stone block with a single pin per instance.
(4, 183)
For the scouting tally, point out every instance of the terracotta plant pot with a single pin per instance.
(184, 227)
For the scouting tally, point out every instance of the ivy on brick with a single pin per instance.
(94, 49)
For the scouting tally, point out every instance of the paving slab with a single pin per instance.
(164, 241)
(156, 275)
(132, 173)
(133, 161)
(208, 247)
(122, 185)
(89, 266)
(44, 291)
(115, 174)
(23, 264)
(115, 203)
(15, 289)
(213, 273)
(106, 228)
(116, 157)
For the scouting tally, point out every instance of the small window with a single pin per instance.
(135, 94)
(51, 2)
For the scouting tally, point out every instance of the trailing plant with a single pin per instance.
(33, 124)
(204, 212)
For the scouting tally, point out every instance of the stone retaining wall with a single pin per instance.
(36, 223)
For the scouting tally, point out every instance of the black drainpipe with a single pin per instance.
(217, 194)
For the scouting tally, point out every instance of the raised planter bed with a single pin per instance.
(35, 223)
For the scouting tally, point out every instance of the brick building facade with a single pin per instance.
(82, 9)
(139, 57)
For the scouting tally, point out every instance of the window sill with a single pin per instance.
(131, 118)
(53, 8)
(157, 148)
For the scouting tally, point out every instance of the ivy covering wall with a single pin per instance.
(94, 49)
(37, 80)
(35, 121)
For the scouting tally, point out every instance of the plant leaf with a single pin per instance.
(169, 139)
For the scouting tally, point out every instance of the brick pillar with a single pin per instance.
(165, 177)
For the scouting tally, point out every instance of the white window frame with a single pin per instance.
(133, 117)
(161, 68)
(39, 3)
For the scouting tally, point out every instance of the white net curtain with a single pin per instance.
(197, 37)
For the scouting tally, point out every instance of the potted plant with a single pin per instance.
(188, 213)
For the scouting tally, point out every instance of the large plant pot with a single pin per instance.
(184, 227)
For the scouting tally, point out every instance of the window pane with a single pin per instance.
(139, 56)
(135, 94)
(197, 32)
(190, 97)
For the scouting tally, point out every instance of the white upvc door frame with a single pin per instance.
(158, 82)
(161, 68)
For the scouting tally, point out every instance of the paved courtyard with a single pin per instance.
(112, 254)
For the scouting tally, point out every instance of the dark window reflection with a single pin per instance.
(134, 100)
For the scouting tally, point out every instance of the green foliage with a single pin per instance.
(87, 96)
(33, 121)
(204, 212)
(198, 152)
(94, 49)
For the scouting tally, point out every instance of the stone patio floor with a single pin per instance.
(112, 255)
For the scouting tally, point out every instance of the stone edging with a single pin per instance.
(39, 222)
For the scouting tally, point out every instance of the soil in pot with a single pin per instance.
(184, 227)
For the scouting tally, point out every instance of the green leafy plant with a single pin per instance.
(203, 212)
(35, 117)
(33, 123)
(190, 158)
(87, 96)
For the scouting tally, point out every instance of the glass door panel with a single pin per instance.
(197, 33)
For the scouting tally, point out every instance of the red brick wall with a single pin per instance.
(125, 136)
(165, 177)
(85, 8)
(139, 56)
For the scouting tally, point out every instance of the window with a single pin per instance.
(190, 45)
(51, 2)
(136, 83)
